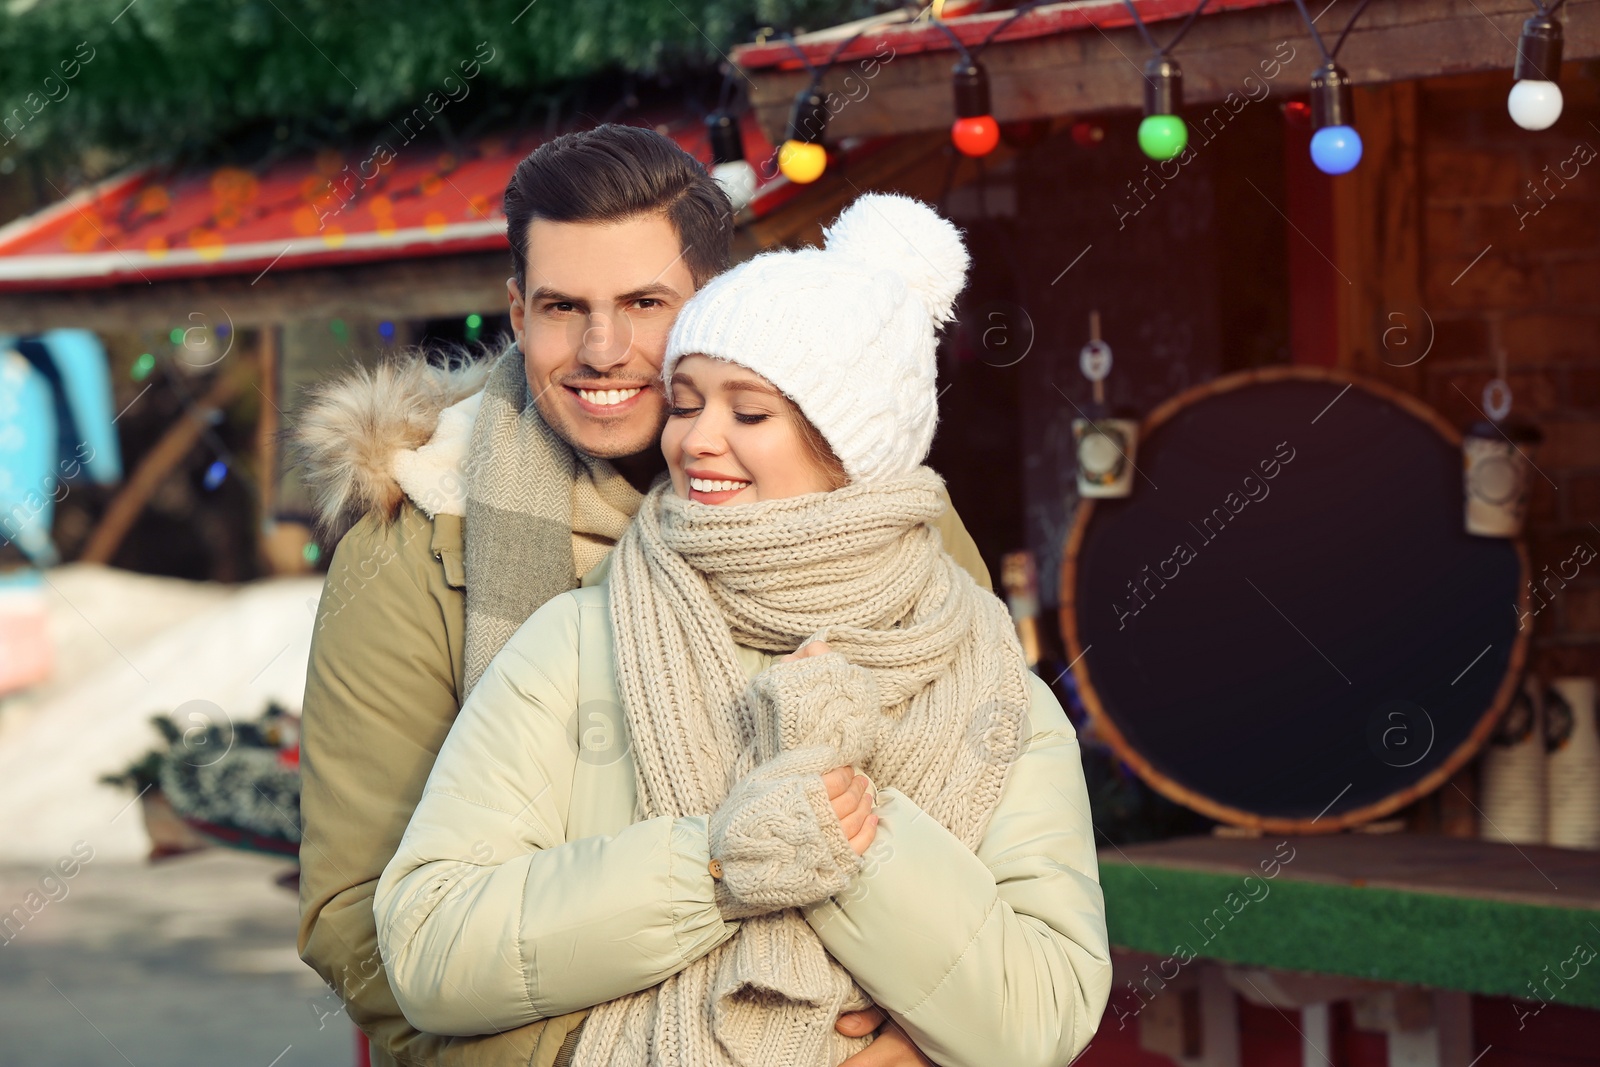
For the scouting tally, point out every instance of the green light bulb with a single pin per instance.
(1162, 136)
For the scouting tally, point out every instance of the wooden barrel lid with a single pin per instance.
(1286, 626)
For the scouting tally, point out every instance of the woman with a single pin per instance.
(650, 806)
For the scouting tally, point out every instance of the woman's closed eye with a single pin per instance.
(748, 418)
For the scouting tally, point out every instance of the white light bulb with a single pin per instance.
(738, 180)
(1535, 105)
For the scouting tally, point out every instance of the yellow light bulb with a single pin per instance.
(801, 162)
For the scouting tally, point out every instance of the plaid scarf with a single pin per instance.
(539, 514)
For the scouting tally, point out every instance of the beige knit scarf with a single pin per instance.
(539, 514)
(925, 691)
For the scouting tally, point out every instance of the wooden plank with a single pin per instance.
(1098, 69)
(1446, 866)
(1377, 243)
(420, 288)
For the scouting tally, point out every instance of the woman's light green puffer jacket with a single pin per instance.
(523, 888)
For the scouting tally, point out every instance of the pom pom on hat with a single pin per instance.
(848, 331)
(899, 234)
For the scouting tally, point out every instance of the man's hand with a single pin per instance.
(809, 649)
(892, 1048)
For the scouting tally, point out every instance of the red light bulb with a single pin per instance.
(975, 132)
(1298, 112)
(975, 136)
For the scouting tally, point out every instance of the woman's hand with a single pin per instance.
(848, 790)
(853, 805)
(891, 1048)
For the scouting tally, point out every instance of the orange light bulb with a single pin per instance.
(802, 162)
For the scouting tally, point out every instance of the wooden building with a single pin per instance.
(1460, 249)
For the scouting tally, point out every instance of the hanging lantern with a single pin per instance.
(728, 166)
(1106, 448)
(975, 132)
(1162, 134)
(1105, 444)
(1535, 101)
(1494, 455)
(1496, 477)
(802, 159)
(1335, 146)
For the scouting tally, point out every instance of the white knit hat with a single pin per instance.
(846, 331)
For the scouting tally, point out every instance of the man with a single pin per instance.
(542, 456)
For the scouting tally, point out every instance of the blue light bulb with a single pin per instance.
(215, 474)
(1336, 149)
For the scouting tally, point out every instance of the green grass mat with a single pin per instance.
(1480, 946)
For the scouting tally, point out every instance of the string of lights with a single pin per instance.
(1535, 102)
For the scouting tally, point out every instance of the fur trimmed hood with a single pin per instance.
(370, 437)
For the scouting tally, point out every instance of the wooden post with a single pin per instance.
(168, 452)
(1440, 1038)
(267, 423)
(1316, 1034)
(1382, 328)
(1219, 1015)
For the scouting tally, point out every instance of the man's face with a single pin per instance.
(593, 326)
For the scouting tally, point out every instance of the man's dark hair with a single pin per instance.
(612, 173)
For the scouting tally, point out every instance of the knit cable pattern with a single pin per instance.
(925, 690)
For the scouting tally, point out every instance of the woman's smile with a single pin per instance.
(709, 487)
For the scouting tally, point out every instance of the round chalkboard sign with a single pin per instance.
(1286, 625)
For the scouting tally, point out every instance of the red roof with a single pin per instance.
(340, 206)
(921, 35)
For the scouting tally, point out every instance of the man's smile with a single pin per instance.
(609, 400)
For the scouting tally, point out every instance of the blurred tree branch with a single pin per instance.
(185, 78)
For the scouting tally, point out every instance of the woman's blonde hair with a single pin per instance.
(817, 445)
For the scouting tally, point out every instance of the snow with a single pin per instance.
(129, 646)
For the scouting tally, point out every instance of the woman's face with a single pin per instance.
(732, 438)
